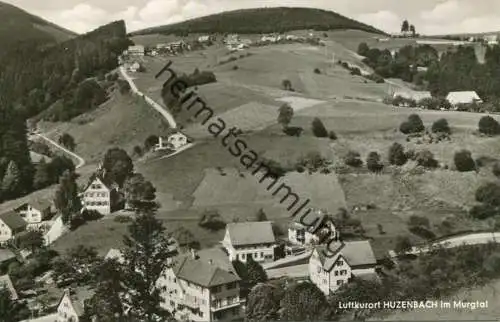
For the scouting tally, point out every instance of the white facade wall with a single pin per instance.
(66, 311)
(329, 282)
(97, 197)
(260, 253)
(177, 140)
(31, 215)
(5, 232)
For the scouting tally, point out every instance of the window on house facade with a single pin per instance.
(261, 254)
(319, 269)
(343, 272)
(340, 263)
(336, 273)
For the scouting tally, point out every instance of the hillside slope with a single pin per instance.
(263, 20)
(17, 25)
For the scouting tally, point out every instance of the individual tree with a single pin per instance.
(77, 265)
(147, 249)
(263, 303)
(441, 126)
(10, 310)
(414, 124)
(287, 85)
(496, 169)
(67, 141)
(255, 272)
(118, 166)
(137, 189)
(185, 238)
(425, 158)
(412, 30)
(397, 154)
(353, 159)
(150, 142)
(463, 161)
(304, 302)
(363, 49)
(66, 198)
(405, 27)
(489, 193)
(31, 240)
(58, 166)
(42, 175)
(403, 245)
(318, 128)
(11, 183)
(285, 115)
(107, 302)
(373, 162)
(489, 126)
(261, 215)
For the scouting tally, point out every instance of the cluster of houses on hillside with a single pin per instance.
(454, 98)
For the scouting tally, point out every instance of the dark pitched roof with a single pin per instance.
(6, 254)
(251, 233)
(202, 272)
(356, 253)
(108, 185)
(13, 220)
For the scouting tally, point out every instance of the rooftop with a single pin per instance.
(356, 253)
(5, 281)
(250, 233)
(6, 254)
(13, 220)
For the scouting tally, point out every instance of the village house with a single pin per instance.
(173, 142)
(6, 257)
(232, 39)
(6, 282)
(11, 224)
(417, 96)
(98, 196)
(134, 67)
(463, 97)
(204, 38)
(35, 212)
(198, 289)
(323, 229)
(348, 259)
(245, 239)
(491, 39)
(270, 38)
(137, 50)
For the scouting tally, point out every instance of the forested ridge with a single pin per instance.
(54, 81)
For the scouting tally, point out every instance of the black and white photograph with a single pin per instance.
(249, 160)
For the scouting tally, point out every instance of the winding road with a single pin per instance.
(456, 241)
(81, 161)
(166, 114)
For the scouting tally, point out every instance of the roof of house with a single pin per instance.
(250, 233)
(356, 253)
(310, 218)
(218, 256)
(13, 220)
(415, 95)
(202, 272)
(6, 254)
(6, 282)
(39, 204)
(462, 97)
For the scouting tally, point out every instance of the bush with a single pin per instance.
(463, 161)
(363, 49)
(418, 221)
(353, 159)
(422, 232)
(489, 193)
(403, 244)
(441, 126)
(211, 220)
(287, 85)
(122, 219)
(397, 154)
(123, 86)
(483, 211)
(332, 135)
(91, 215)
(373, 162)
(293, 130)
(496, 169)
(426, 159)
(150, 142)
(489, 126)
(317, 71)
(414, 124)
(318, 128)
(355, 71)
(235, 67)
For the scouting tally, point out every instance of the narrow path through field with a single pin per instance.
(456, 241)
(81, 161)
(166, 114)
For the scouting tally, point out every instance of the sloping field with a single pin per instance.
(247, 117)
(123, 121)
(299, 103)
(324, 191)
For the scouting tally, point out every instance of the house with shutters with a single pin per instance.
(333, 265)
(98, 196)
(199, 288)
(11, 224)
(245, 239)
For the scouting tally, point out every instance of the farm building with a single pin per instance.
(137, 50)
(35, 212)
(11, 224)
(98, 196)
(413, 95)
(300, 234)
(173, 142)
(463, 97)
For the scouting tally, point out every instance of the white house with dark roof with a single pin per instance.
(200, 289)
(11, 224)
(97, 196)
(246, 239)
(6, 282)
(323, 229)
(174, 142)
(34, 212)
(343, 261)
(463, 97)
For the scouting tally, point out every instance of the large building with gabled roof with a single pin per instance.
(333, 265)
(245, 239)
(200, 289)
(11, 224)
